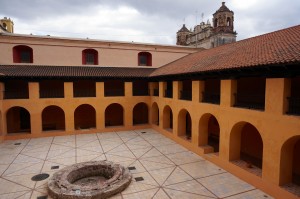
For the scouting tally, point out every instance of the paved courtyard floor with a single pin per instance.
(168, 170)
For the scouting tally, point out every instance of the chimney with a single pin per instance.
(223, 3)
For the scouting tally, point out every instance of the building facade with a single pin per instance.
(236, 105)
(208, 36)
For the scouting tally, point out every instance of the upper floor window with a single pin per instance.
(90, 57)
(144, 59)
(22, 54)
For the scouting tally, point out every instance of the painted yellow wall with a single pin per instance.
(67, 52)
(274, 127)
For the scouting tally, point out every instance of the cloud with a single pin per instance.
(155, 21)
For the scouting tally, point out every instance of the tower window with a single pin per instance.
(216, 23)
(144, 59)
(228, 21)
(22, 54)
(90, 57)
(4, 25)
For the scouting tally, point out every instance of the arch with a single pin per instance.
(5, 26)
(144, 59)
(53, 118)
(90, 57)
(167, 118)
(185, 124)
(85, 117)
(22, 54)
(18, 120)
(155, 114)
(114, 115)
(209, 131)
(228, 21)
(140, 113)
(246, 144)
(215, 23)
(290, 161)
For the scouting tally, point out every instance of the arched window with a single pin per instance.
(216, 23)
(4, 25)
(144, 59)
(90, 57)
(228, 21)
(22, 54)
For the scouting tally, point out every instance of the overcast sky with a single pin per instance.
(148, 21)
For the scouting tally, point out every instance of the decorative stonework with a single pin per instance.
(89, 180)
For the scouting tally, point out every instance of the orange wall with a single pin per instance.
(273, 125)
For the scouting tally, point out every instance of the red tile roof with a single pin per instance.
(275, 48)
(29, 71)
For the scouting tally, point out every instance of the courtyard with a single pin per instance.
(161, 168)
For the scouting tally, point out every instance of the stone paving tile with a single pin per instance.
(184, 157)
(169, 170)
(254, 194)
(191, 187)
(161, 194)
(201, 169)
(224, 185)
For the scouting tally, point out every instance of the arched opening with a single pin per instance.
(290, 162)
(155, 114)
(85, 117)
(246, 147)
(215, 23)
(18, 120)
(53, 118)
(228, 21)
(140, 114)
(144, 59)
(185, 124)
(5, 26)
(114, 115)
(209, 131)
(90, 57)
(168, 118)
(22, 54)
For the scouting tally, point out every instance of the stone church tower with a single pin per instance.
(182, 35)
(207, 36)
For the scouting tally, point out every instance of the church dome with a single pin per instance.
(223, 8)
(183, 29)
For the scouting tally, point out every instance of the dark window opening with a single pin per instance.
(84, 88)
(51, 89)
(294, 98)
(114, 88)
(211, 92)
(250, 93)
(186, 92)
(16, 89)
(144, 59)
(89, 57)
(140, 88)
(22, 54)
(169, 89)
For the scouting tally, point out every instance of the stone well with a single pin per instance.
(89, 180)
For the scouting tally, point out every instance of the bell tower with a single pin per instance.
(223, 26)
(7, 24)
(182, 36)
